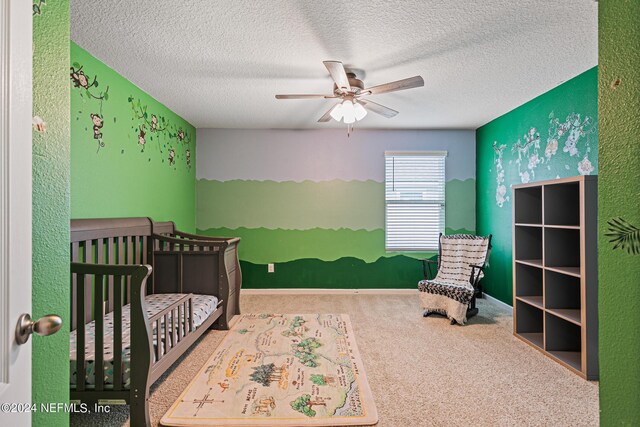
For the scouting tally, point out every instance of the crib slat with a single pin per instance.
(186, 319)
(190, 315)
(100, 251)
(137, 250)
(121, 254)
(145, 259)
(174, 326)
(81, 372)
(166, 334)
(88, 258)
(75, 249)
(120, 245)
(158, 338)
(99, 330)
(111, 258)
(181, 323)
(117, 334)
(100, 260)
(129, 261)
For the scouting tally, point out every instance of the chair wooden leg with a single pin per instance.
(472, 310)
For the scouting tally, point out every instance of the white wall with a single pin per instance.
(321, 155)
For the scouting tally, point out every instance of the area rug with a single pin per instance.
(280, 369)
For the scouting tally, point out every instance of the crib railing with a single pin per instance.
(127, 243)
(199, 265)
(171, 326)
(90, 286)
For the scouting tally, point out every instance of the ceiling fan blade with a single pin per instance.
(304, 96)
(327, 116)
(378, 109)
(338, 74)
(403, 84)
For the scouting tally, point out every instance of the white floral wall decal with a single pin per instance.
(573, 134)
(501, 189)
(529, 151)
(585, 167)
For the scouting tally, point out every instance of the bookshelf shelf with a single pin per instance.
(535, 301)
(530, 262)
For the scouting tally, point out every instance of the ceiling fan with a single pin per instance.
(352, 92)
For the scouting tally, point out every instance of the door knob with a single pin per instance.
(44, 326)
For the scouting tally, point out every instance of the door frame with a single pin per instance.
(15, 202)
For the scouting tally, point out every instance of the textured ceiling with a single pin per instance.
(220, 63)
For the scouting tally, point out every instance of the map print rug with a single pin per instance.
(280, 369)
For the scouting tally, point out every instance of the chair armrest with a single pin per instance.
(474, 279)
(428, 263)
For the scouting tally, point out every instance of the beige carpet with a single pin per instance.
(437, 375)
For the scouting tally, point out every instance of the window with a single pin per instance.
(414, 200)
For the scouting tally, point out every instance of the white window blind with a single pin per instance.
(414, 200)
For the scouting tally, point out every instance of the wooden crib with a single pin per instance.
(133, 322)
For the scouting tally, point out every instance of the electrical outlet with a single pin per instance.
(270, 268)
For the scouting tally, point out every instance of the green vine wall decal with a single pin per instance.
(154, 123)
(150, 124)
(88, 89)
(141, 137)
(182, 136)
(133, 165)
(37, 7)
(624, 235)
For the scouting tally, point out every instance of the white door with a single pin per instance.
(15, 215)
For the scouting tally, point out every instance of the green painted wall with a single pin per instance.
(618, 195)
(334, 204)
(552, 136)
(50, 381)
(326, 234)
(130, 155)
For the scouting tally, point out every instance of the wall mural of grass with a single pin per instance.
(319, 215)
(396, 272)
(305, 248)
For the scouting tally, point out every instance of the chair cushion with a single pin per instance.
(203, 306)
(460, 293)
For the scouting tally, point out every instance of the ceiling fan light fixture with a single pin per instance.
(348, 111)
(348, 88)
(336, 112)
(359, 111)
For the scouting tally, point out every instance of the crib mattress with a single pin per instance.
(203, 306)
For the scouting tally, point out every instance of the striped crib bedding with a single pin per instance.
(203, 306)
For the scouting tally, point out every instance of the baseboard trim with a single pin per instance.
(311, 291)
(497, 301)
